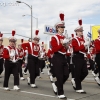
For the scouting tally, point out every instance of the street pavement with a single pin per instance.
(45, 92)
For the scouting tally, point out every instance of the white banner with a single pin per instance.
(49, 30)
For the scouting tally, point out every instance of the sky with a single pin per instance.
(47, 12)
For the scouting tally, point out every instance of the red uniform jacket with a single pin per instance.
(50, 53)
(56, 44)
(90, 56)
(21, 53)
(7, 51)
(69, 50)
(33, 49)
(42, 53)
(1, 51)
(97, 45)
(78, 45)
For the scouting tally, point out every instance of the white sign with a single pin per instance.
(49, 30)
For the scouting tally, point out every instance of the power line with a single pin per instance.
(18, 35)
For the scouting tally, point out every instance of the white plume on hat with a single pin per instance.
(12, 37)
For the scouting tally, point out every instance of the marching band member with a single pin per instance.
(1, 53)
(33, 52)
(97, 58)
(26, 58)
(91, 58)
(79, 49)
(11, 64)
(21, 55)
(26, 61)
(60, 66)
(42, 57)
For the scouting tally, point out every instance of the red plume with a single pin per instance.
(13, 32)
(1, 35)
(36, 32)
(72, 35)
(42, 42)
(22, 40)
(80, 21)
(61, 15)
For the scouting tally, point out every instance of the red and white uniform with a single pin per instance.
(8, 51)
(90, 56)
(69, 50)
(50, 53)
(20, 53)
(78, 45)
(97, 45)
(56, 44)
(1, 51)
(42, 53)
(33, 49)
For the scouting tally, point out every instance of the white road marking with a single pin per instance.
(39, 94)
(33, 93)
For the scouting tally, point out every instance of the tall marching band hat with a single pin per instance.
(36, 37)
(60, 23)
(98, 30)
(12, 38)
(1, 35)
(80, 27)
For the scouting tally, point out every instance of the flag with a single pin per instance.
(94, 31)
(89, 35)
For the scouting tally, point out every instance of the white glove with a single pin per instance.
(65, 41)
(87, 39)
(87, 43)
(26, 51)
(86, 47)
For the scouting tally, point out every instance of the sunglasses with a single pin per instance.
(61, 26)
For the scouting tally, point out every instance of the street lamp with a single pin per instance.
(36, 20)
(31, 14)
